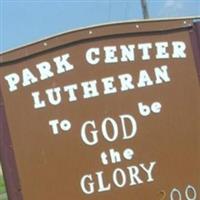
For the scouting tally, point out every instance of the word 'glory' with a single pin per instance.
(120, 178)
(94, 88)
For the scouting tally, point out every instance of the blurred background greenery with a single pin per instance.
(3, 195)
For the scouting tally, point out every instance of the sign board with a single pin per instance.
(108, 112)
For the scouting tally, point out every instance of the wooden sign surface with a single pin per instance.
(108, 112)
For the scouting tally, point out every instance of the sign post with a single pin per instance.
(109, 112)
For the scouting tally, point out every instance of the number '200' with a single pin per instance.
(190, 194)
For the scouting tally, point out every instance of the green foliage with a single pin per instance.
(2, 185)
(3, 195)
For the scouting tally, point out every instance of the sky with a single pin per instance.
(23, 22)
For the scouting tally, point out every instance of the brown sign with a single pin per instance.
(109, 112)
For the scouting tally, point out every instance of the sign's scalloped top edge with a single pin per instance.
(19, 52)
